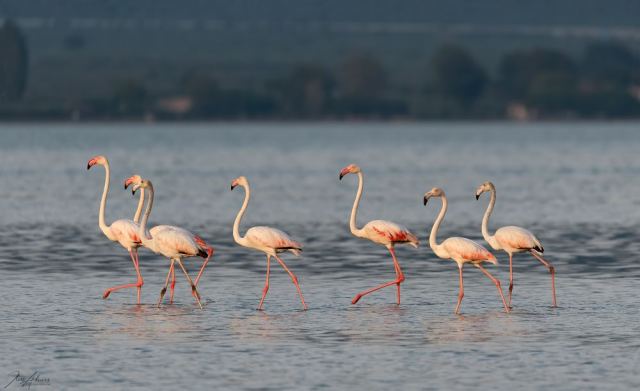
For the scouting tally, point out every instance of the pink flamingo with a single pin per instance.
(122, 231)
(173, 242)
(382, 232)
(461, 250)
(269, 240)
(513, 240)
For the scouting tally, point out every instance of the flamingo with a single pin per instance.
(382, 232)
(122, 231)
(460, 250)
(512, 239)
(269, 240)
(173, 242)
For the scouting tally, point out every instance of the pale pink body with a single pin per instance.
(172, 242)
(388, 233)
(381, 232)
(270, 241)
(512, 240)
(460, 250)
(123, 231)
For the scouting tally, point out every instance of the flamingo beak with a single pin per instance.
(479, 192)
(91, 163)
(127, 182)
(344, 172)
(134, 188)
(233, 185)
(426, 198)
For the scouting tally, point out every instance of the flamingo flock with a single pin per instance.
(177, 244)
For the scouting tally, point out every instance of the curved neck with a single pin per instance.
(433, 241)
(103, 202)
(142, 229)
(236, 224)
(485, 220)
(136, 216)
(356, 203)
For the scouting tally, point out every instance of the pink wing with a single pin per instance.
(175, 238)
(517, 238)
(390, 231)
(468, 250)
(273, 238)
(126, 233)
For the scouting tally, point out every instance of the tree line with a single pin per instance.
(602, 82)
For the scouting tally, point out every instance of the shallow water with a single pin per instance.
(574, 185)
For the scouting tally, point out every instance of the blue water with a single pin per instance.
(574, 184)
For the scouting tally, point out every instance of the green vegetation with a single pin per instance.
(533, 83)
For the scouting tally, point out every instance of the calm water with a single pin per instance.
(575, 185)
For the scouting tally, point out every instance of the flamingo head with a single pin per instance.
(487, 186)
(435, 192)
(143, 184)
(350, 169)
(239, 181)
(132, 180)
(96, 160)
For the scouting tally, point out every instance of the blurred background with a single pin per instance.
(285, 59)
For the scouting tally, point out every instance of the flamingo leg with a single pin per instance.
(294, 279)
(399, 274)
(172, 286)
(137, 284)
(266, 283)
(140, 281)
(552, 270)
(495, 281)
(397, 281)
(209, 254)
(510, 277)
(166, 282)
(194, 290)
(461, 292)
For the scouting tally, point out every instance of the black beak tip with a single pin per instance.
(232, 187)
(88, 166)
(477, 197)
(425, 200)
(340, 176)
(133, 191)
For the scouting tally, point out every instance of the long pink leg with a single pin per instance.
(193, 286)
(295, 281)
(209, 255)
(399, 274)
(552, 270)
(172, 286)
(266, 283)
(138, 284)
(397, 281)
(510, 277)
(461, 292)
(495, 281)
(166, 282)
(140, 281)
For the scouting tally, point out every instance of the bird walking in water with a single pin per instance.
(122, 231)
(269, 240)
(512, 239)
(382, 232)
(173, 242)
(461, 250)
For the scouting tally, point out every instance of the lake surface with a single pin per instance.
(576, 185)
